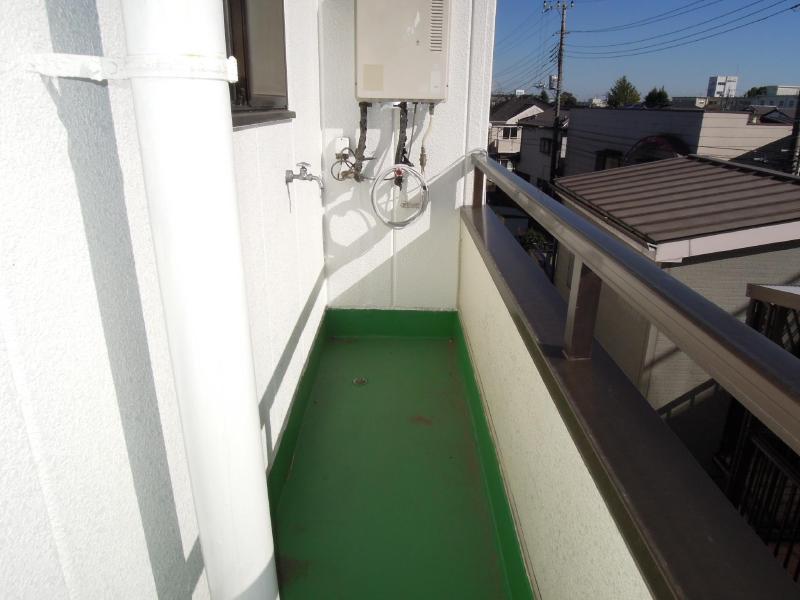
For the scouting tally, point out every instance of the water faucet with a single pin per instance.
(304, 175)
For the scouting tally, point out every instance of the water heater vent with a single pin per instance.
(437, 25)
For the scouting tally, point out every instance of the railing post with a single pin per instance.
(477, 187)
(584, 297)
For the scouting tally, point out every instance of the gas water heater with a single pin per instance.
(401, 50)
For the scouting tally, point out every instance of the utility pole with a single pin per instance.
(556, 145)
(796, 138)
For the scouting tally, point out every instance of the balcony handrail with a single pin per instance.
(757, 372)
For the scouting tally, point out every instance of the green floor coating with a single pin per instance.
(384, 485)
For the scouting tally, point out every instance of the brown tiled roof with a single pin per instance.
(511, 108)
(686, 197)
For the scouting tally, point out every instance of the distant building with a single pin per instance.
(598, 102)
(713, 226)
(689, 101)
(519, 92)
(505, 133)
(722, 86)
(537, 146)
(779, 96)
(607, 138)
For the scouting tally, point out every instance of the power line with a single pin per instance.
(670, 14)
(687, 36)
(521, 65)
(528, 60)
(514, 33)
(708, 37)
(653, 37)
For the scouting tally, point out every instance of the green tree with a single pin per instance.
(656, 98)
(623, 93)
(544, 97)
(755, 91)
(568, 100)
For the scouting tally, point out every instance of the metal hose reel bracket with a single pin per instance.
(400, 170)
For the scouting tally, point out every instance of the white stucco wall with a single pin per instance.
(723, 281)
(572, 544)
(282, 228)
(532, 161)
(728, 135)
(96, 500)
(369, 265)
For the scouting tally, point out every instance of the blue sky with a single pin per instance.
(763, 53)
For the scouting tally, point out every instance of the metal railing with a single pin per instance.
(761, 375)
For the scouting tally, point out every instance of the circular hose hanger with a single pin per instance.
(392, 173)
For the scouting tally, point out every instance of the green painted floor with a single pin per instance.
(385, 496)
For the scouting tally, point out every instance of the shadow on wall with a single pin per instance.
(84, 108)
(353, 202)
(275, 382)
(443, 186)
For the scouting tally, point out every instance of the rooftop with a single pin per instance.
(543, 119)
(690, 198)
(511, 108)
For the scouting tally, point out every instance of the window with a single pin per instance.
(780, 104)
(545, 145)
(255, 36)
(607, 159)
(541, 183)
(509, 133)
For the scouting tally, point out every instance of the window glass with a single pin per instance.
(256, 38)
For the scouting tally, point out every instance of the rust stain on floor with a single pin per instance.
(420, 420)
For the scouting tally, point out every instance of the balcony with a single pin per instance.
(498, 451)
(220, 383)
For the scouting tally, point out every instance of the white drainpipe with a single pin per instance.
(185, 133)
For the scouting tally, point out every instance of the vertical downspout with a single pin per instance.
(185, 134)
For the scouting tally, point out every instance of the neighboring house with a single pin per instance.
(504, 130)
(713, 225)
(606, 138)
(536, 146)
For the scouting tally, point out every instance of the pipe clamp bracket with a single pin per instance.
(100, 68)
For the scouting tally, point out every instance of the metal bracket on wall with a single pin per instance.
(100, 68)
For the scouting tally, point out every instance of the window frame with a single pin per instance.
(546, 145)
(247, 108)
(602, 156)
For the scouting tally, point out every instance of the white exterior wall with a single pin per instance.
(571, 543)
(648, 357)
(728, 135)
(96, 500)
(723, 282)
(369, 265)
(281, 226)
(500, 145)
(532, 161)
(722, 86)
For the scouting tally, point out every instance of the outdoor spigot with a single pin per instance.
(303, 175)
